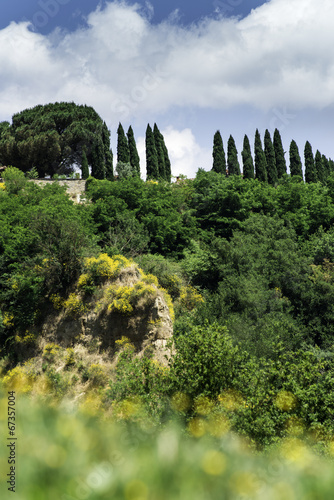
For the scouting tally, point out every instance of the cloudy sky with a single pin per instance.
(190, 66)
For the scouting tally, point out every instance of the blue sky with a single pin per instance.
(192, 67)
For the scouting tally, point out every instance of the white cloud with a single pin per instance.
(185, 154)
(125, 66)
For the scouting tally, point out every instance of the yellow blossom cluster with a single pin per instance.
(74, 305)
(190, 297)
(125, 298)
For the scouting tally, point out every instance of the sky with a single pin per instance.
(193, 67)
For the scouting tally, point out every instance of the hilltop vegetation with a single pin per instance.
(245, 267)
(248, 265)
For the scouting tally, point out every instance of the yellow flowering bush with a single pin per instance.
(190, 297)
(121, 302)
(70, 358)
(50, 351)
(169, 303)
(74, 305)
(125, 298)
(102, 268)
(2, 186)
(28, 339)
(57, 301)
(150, 279)
(17, 380)
(7, 320)
(123, 343)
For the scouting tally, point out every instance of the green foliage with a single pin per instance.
(14, 179)
(32, 173)
(205, 362)
(124, 170)
(218, 153)
(159, 208)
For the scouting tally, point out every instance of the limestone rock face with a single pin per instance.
(148, 326)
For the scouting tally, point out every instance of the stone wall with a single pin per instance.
(75, 188)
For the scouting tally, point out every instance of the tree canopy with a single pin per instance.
(52, 138)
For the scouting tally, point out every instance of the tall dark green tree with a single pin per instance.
(232, 157)
(158, 141)
(279, 154)
(295, 161)
(310, 171)
(123, 153)
(134, 156)
(260, 159)
(319, 167)
(108, 154)
(270, 158)
(84, 166)
(219, 158)
(168, 168)
(325, 167)
(98, 159)
(247, 160)
(152, 166)
(330, 166)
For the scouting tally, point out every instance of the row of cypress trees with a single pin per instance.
(158, 166)
(269, 162)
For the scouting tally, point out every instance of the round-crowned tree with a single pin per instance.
(52, 138)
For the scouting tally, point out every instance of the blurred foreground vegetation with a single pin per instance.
(67, 455)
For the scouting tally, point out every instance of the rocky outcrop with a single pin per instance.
(126, 306)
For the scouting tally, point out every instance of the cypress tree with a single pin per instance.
(310, 172)
(98, 160)
(270, 158)
(134, 156)
(219, 158)
(247, 160)
(152, 168)
(109, 165)
(232, 158)
(108, 155)
(325, 167)
(123, 154)
(319, 167)
(168, 169)
(331, 166)
(260, 159)
(295, 161)
(279, 154)
(158, 141)
(84, 166)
